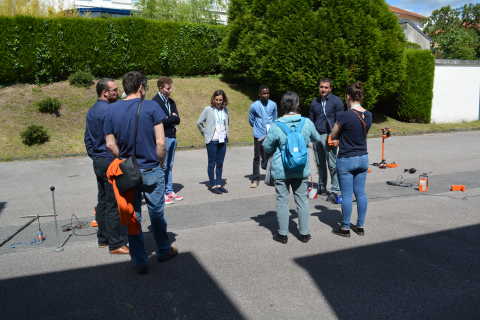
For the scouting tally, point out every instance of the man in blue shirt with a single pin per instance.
(263, 113)
(170, 124)
(150, 153)
(324, 111)
(108, 232)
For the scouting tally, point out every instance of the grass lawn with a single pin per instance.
(192, 95)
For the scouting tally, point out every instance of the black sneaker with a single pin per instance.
(141, 270)
(305, 238)
(358, 230)
(322, 192)
(333, 198)
(341, 232)
(282, 239)
(223, 189)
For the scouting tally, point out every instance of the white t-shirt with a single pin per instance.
(219, 124)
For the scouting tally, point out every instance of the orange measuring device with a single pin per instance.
(423, 182)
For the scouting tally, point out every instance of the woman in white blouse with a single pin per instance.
(215, 132)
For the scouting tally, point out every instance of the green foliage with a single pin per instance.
(43, 50)
(193, 11)
(81, 79)
(455, 32)
(48, 105)
(415, 95)
(290, 45)
(34, 135)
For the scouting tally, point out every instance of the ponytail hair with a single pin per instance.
(290, 102)
(355, 91)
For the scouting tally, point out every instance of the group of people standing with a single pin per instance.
(110, 134)
(330, 128)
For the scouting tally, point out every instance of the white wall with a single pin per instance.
(456, 91)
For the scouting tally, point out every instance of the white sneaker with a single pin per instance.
(168, 200)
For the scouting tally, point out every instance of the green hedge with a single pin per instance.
(291, 44)
(415, 95)
(45, 49)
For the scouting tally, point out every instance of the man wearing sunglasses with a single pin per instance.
(108, 232)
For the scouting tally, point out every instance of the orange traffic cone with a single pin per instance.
(94, 222)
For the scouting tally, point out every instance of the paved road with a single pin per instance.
(419, 259)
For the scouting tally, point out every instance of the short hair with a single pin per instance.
(355, 91)
(290, 102)
(217, 93)
(262, 87)
(132, 81)
(162, 81)
(326, 80)
(102, 84)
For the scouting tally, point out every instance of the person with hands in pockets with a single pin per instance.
(170, 124)
(213, 125)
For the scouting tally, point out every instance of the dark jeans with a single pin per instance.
(216, 154)
(107, 215)
(259, 156)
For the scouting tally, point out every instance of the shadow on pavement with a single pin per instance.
(177, 289)
(328, 216)
(269, 221)
(433, 276)
(2, 206)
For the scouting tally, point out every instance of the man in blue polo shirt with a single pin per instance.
(150, 154)
(108, 232)
(263, 113)
(324, 111)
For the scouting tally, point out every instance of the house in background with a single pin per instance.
(412, 25)
(124, 8)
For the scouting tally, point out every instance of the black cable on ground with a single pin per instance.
(78, 225)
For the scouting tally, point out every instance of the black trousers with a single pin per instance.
(259, 156)
(107, 215)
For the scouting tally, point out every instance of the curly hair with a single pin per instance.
(217, 93)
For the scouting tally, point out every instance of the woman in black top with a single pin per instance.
(350, 134)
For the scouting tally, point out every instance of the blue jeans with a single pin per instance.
(153, 189)
(167, 168)
(352, 174)
(216, 154)
(326, 154)
(300, 190)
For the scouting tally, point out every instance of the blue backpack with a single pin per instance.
(295, 154)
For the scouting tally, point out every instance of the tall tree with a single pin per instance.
(455, 32)
(195, 11)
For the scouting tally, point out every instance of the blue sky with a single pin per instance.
(426, 7)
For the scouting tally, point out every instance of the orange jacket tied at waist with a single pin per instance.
(126, 211)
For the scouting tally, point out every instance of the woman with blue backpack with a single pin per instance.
(288, 140)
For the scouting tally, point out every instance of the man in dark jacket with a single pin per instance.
(170, 124)
(324, 111)
(108, 232)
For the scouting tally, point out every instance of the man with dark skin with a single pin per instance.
(263, 113)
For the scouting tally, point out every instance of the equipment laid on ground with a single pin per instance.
(386, 132)
(458, 188)
(94, 221)
(411, 170)
(399, 182)
(423, 182)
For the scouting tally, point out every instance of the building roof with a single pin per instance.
(405, 12)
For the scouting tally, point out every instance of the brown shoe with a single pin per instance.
(122, 250)
(254, 184)
(103, 245)
(172, 253)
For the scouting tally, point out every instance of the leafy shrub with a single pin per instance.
(416, 92)
(34, 134)
(289, 45)
(48, 105)
(81, 79)
(45, 49)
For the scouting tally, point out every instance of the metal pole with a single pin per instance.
(11, 236)
(58, 248)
